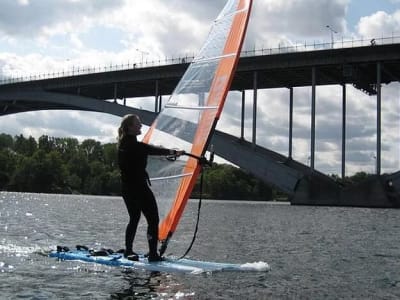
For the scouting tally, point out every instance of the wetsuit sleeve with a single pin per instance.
(153, 150)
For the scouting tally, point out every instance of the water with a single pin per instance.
(314, 252)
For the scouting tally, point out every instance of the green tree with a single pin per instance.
(74, 183)
(98, 176)
(110, 156)
(43, 172)
(8, 162)
(46, 143)
(25, 146)
(78, 165)
(6, 141)
(92, 149)
(67, 147)
(63, 165)
(113, 183)
(228, 182)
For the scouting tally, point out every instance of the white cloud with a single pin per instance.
(81, 125)
(379, 24)
(292, 21)
(33, 18)
(142, 32)
(23, 2)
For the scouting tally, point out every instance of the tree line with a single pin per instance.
(65, 165)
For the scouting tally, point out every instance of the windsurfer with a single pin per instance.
(137, 195)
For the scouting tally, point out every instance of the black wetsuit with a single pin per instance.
(138, 197)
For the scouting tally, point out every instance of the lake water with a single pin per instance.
(313, 252)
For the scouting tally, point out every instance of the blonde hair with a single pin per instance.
(127, 120)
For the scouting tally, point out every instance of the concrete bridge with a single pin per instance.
(366, 68)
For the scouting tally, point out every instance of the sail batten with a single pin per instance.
(209, 59)
(191, 107)
(170, 177)
(190, 116)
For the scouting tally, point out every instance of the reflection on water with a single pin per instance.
(145, 285)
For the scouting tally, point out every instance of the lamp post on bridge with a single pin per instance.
(143, 53)
(332, 32)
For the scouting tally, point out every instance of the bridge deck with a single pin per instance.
(356, 66)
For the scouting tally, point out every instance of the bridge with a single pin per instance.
(366, 68)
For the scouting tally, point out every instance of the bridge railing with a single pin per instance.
(282, 48)
(85, 70)
(336, 44)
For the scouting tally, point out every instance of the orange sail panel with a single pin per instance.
(190, 116)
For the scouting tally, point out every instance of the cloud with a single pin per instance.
(165, 28)
(379, 24)
(81, 125)
(128, 32)
(47, 17)
(292, 21)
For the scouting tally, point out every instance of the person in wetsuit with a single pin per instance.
(137, 195)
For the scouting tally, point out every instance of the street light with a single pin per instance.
(332, 32)
(142, 52)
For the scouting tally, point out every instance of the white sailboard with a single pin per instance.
(170, 265)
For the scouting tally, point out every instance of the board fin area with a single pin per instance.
(168, 264)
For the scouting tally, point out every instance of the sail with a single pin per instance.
(189, 118)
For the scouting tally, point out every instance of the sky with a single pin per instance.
(42, 36)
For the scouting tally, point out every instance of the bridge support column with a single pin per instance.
(159, 103)
(290, 122)
(255, 84)
(343, 130)
(313, 94)
(378, 118)
(115, 92)
(243, 115)
(156, 104)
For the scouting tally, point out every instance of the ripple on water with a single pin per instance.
(314, 252)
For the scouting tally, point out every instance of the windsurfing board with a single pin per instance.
(168, 264)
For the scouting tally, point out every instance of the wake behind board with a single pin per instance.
(168, 264)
